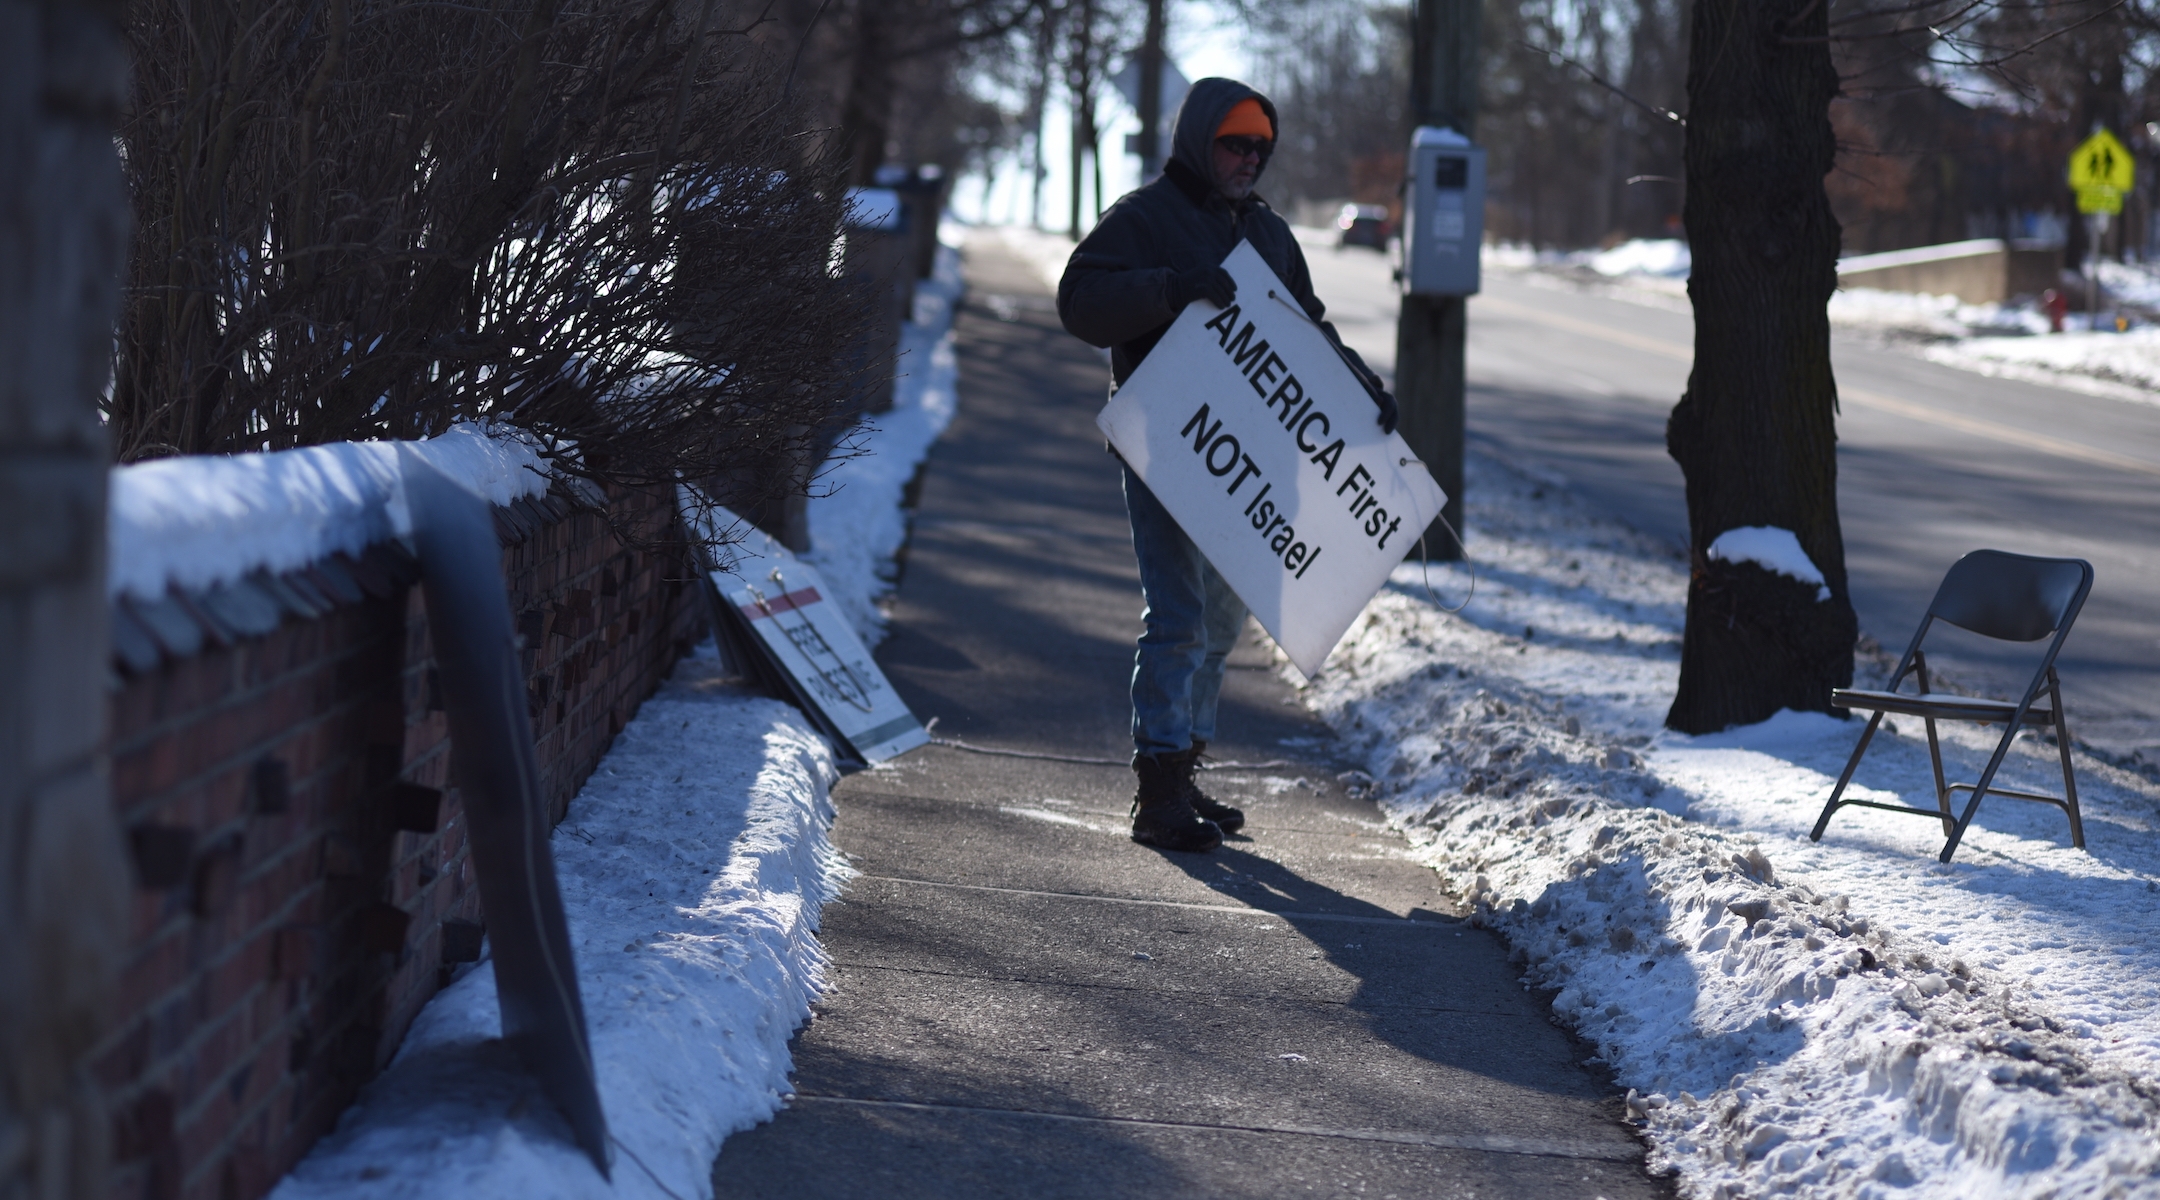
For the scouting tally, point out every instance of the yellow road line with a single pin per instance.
(2009, 434)
(1977, 426)
(1618, 337)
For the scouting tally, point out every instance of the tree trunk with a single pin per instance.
(1038, 104)
(866, 118)
(1080, 97)
(1079, 165)
(1756, 433)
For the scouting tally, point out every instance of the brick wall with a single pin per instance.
(280, 760)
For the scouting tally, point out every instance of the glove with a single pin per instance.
(1212, 284)
(1389, 413)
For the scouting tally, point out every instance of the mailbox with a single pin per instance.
(1443, 214)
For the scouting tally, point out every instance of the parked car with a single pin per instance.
(1364, 225)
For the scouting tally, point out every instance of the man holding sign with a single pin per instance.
(1157, 251)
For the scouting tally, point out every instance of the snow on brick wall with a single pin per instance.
(200, 520)
(275, 726)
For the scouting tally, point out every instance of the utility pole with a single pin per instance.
(1151, 72)
(1430, 333)
(1080, 86)
(1038, 104)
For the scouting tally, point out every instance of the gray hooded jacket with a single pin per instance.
(1116, 289)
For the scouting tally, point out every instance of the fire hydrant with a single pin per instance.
(2056, 305)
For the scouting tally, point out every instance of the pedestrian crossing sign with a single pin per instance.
(2101, 172)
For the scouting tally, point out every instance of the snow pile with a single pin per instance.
(199, 521)
(1774, 550)
(1846, 1018)
(2131, 283)
(693, 866)
(857, 523)
(1508, 256)
(1923, 316)
(1668, 257)
(2125, 365)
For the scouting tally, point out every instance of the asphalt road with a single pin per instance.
(1932, 462)
(1026, 1004)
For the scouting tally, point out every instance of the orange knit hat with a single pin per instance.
(1246, 118)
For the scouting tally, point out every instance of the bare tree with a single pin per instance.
(895, 55)
(1043, 47)
(1756, 434)
(1338, 74)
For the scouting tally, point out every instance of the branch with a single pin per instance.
(1599, 80)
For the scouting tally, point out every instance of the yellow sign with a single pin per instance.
(2101, 170)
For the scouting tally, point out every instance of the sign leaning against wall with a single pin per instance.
(1253, 432)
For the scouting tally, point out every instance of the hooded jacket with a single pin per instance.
(1116, 288)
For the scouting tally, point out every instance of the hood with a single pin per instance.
(1202, 113)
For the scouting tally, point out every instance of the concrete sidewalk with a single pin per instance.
(1027, 1004)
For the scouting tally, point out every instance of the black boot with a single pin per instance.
(1228, 819)
(1162, 814)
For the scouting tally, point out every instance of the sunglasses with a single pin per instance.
(1246, 146)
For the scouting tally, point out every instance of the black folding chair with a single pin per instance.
(2011, 598)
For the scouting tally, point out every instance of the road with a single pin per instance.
(1932, 462)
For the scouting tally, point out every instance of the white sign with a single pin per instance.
(788, 609)
(1174, 87)
(1253, 432)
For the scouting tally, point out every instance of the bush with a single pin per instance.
(371, 219)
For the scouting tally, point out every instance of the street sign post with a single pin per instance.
(1249, 427)
(2102, 173)
(1171, 94)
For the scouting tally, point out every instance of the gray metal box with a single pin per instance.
(1443, 214)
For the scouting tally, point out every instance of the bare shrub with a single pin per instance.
(600, 221)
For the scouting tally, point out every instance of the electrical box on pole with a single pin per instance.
(1443, 214)
(1430, 335)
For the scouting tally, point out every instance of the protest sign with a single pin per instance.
(787, 608)
(1255, 435)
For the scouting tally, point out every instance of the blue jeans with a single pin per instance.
(1192, 619)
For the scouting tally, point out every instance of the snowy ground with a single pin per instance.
(1847, 1018)
(693, 866)
(2006, 340)
(857, 522)
(2121, 365)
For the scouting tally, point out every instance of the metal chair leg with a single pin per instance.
(2002, 750)
(1942, 785)
(2062, 749)
(1866, 735)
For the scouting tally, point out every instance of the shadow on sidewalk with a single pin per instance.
(1408, 969)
